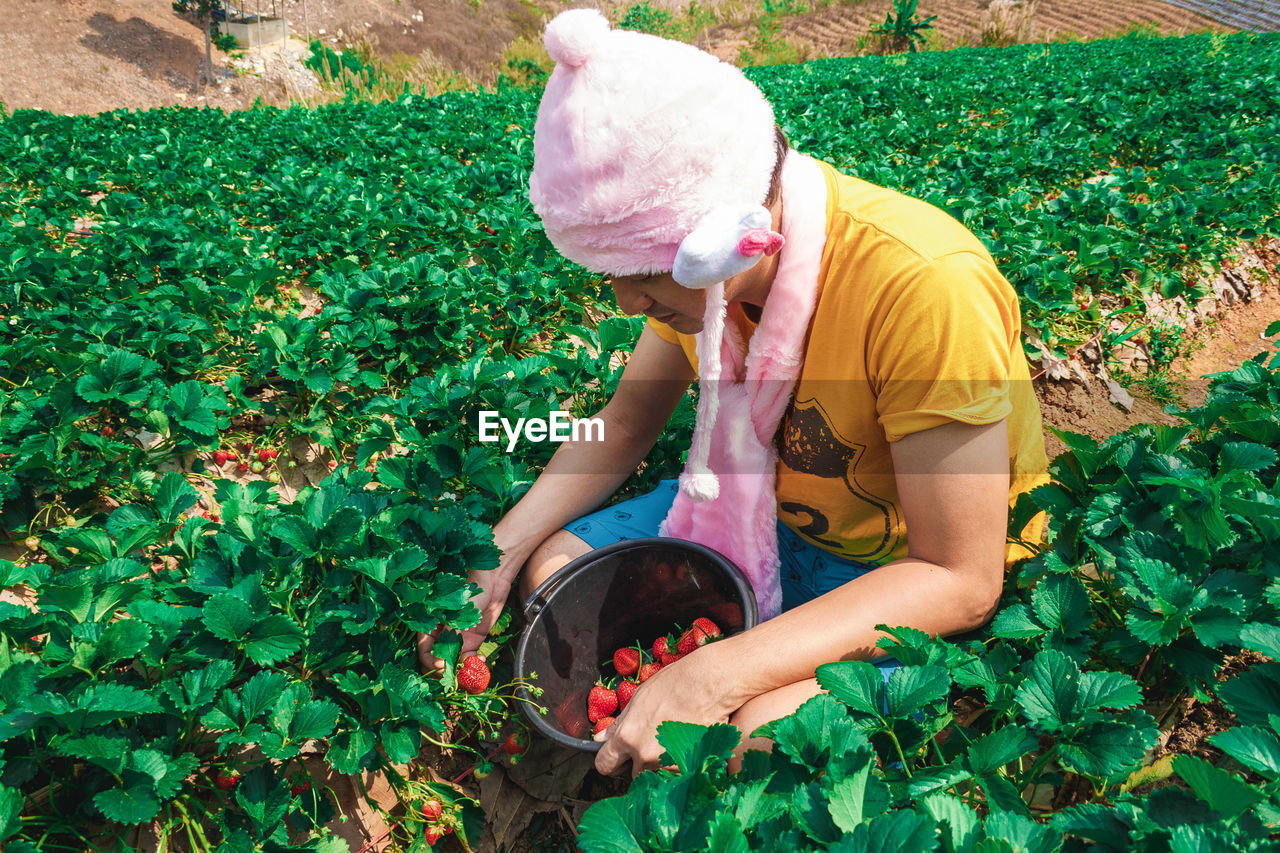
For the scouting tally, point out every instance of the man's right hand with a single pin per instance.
(494, 588)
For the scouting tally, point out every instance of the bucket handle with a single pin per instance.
(538, 598)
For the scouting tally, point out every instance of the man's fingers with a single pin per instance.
(425, 643)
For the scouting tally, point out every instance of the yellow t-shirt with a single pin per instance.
(914, 327)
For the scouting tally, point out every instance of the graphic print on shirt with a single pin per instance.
(811, 445)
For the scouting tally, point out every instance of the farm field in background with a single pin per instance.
(242, 358)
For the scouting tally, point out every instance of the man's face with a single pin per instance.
(660, 297)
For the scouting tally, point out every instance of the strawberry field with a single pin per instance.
(242, 358)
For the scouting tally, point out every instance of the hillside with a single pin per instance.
(87, 56)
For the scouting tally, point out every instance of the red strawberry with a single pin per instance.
(603, 723)
(647, 671)
(242, 467)
(627, 661)
(516, 743)
(432, 809)
(264, 455)
(665, 651)
(1182, 246)
(626, 689)
(231, 453)
(227, 780)
(601, 702)
(220, 457)
(432, 834)
(702, 632)
(301, 788)
(711, 629)
(473, 675)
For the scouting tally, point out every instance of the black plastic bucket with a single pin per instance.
(633, 590)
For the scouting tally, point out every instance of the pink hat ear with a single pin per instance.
(760, 241)
(573, 37)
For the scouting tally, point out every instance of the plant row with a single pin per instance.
(1163, 570)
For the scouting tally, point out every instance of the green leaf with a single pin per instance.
(1106, 748)
(992, 751)
(1023, 834)
(271, 639)
(847, 795)
(810, 810)
(1015, 622)
(1262, 638)
(1001, 794)
(314, 720)
(124, 638)
(401, 742)
(11, 804)
(1049, 693)
(1061, 602)
(890, 833)
(228, 617)
(260, 692)
(613, 825)
(133, 805)
(817, 731)
(1245, 456)
(121, 376)
(931, 780)
(166, 773)
(692, 748)
(1225, 793)
(352, 751)
(108, 750)
(911, 689)
(1108, 690)
(1253, 695)
(1253, 746)
(960, 820)
(856, 683)
(726, 835)
(192, 409)
(174, 496)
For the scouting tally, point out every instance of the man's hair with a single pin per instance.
(781, 147)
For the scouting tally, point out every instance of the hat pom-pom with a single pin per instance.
(574, 36)
(701, 486)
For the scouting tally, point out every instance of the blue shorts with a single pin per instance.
(807, 571)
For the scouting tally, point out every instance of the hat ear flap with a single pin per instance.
(727, 241)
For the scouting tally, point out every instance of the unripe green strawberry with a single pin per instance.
(484, 769)
(257, 467)
(32, 543)
(473, 675)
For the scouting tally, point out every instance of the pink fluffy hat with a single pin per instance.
(637, 139)
(651, 156)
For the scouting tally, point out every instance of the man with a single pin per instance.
(860, 370)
